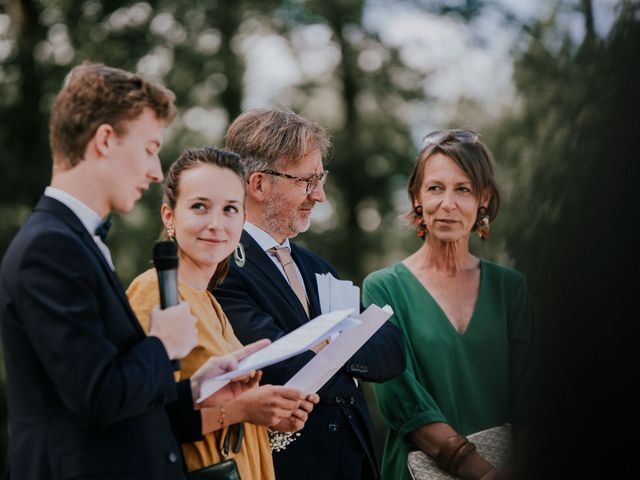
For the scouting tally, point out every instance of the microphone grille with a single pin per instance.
(165, 255)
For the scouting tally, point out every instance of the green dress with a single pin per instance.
(470, 381)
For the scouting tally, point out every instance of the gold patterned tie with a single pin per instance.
(284, 256)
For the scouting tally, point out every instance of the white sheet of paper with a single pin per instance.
(337, 294)
(331, 358)
(293, 343)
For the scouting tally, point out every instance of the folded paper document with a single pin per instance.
(295, 342)
(331, 358)
(337, 294)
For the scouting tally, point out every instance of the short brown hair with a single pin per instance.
(274, 138)
(473, 157)
(95, 94)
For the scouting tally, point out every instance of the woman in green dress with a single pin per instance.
(466, 321)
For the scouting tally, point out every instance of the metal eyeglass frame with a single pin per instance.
(312, 181)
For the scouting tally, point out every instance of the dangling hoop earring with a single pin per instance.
(171, 232)
(421, 229)
(483, 223)
(239, 256)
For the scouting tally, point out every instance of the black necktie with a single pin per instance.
(103, 228)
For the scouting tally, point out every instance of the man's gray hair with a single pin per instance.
(274, 139)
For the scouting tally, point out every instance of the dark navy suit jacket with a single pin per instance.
(90, 396)
(336, 441)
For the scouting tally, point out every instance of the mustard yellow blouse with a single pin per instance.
(215, 337)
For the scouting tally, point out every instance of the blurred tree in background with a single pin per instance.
(549, 145)
(574, 166)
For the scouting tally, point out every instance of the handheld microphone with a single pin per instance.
(165, 259)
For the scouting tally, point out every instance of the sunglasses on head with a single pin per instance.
(454, 135)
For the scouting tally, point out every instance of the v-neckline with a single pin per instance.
(443, 314)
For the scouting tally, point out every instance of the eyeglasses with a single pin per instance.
(441, 136)
(312, 181)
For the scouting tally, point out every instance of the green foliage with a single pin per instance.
(558, 148)
(573, 166)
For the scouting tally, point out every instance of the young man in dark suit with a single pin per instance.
(89, 394)
(275, 291)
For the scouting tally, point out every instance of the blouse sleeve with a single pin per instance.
(405, 404)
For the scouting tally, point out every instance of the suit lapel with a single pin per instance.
(67, 216)
(114, 280)
(259, 259)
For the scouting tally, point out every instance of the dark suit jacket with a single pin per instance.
(336, 441)
(86, 388)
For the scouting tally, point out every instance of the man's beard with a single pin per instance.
(281, 224)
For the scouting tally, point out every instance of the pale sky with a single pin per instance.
(472, 60)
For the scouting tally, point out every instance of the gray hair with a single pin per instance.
(272, 139)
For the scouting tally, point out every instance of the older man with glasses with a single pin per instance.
(271, 290)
